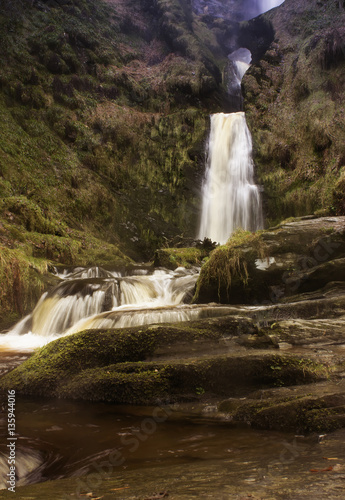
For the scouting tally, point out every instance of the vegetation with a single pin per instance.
(119, 366)
(172, 258)
(294, 101)
(22, 282)
(103, 115)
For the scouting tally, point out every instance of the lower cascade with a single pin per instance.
(98, 299)
(231, 200)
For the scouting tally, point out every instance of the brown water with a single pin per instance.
(70, 439)
(59, 439)
(189, 452)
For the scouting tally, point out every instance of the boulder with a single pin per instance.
(299, 255)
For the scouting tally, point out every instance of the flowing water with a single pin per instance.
(96, 298)
(266, 5)
(231, 200)
(253, 8)
(125, 452)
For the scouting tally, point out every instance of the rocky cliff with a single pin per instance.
(294, 99)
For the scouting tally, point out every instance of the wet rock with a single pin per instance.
(169, 362)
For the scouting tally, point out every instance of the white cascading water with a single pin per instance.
(240, 61)
(94, 298)
(231, 200)
(253, 8)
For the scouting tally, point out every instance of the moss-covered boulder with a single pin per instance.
(171, 258)
(167, 363)
(290, 410)
(301, 255)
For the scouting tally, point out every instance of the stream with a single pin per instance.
(188, 449)
(116, 451)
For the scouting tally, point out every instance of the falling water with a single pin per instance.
(239, 62)
(231, 200)
(96, 298)
(238, 10)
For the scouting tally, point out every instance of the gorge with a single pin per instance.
(217, 371)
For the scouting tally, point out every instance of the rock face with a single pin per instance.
(294, 101)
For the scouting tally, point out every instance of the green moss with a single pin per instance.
(117, 366)
(133, 388)
(305, 414)
(172, 258)
(22, 282)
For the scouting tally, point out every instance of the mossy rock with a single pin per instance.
(143, 365)
(23, 280)
(298, 255)
(300, 414)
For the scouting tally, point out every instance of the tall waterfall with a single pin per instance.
(231, 200)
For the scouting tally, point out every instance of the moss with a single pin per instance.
(172, 258)
(295, 414)
(139, 365)
(145, 387)
(22, 282)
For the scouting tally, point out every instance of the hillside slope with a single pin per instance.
(103, 110)
(294, 99)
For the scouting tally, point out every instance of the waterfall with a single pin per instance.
(95, 298)
(239, 62)
(236, 10)
(231, 200)
(253, 8)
